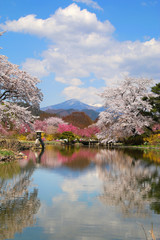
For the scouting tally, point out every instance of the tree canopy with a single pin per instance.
(17, 87)
(155, 102)
(78, 119)
(124, 105)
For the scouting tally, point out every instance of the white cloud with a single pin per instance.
(66, 22)
(91, 3)
(89, 95)
(82, 47)
(73, 81)
(36, 67)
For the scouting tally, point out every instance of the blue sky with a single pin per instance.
(78, 47)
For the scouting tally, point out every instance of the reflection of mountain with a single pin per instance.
(17, 205)
(127, 182)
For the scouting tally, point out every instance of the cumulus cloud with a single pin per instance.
(82, 47)
(91, 3)
(89, 95)
(35, 66)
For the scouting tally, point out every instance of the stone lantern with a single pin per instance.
(39, 140)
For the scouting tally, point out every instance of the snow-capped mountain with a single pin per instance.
(72, 104)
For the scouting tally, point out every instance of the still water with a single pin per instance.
(80, 194)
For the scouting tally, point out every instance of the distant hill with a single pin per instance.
(63, 113)
(72, 104)
(78, 119)
(43, 115)
(91, 113)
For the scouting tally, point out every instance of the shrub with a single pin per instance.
(68, 135)
(134, 140)
(153, 139)
(22, 138)
(49, 137)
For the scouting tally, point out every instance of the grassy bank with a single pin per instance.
(6, 155)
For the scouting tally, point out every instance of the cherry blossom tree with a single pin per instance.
(86, 132)
(52, 124)
(124, 106)
(54, 121)
(89, 132)
(156, 127)
(67, 128)
(17, 87)
(3, 130)
(24, 128)
(40, 125)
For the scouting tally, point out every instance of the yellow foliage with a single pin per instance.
(153, 139)
(22, 138)
(42, 135)
(49, 137)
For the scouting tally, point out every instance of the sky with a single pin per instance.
(79, 47)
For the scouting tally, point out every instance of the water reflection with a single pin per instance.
(85, 194)
(64, 156)
(18, 205)
(126, 182)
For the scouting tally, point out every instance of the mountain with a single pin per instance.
(68, 107)
(61, 112)
(72, 104)
(91, 113)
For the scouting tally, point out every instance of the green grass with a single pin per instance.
(148, 146)
(6, 153)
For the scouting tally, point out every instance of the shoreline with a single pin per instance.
(16, 154)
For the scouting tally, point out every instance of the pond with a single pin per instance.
(69, 193)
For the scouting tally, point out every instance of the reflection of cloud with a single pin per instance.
(87, 183)
(77, 213)
(77, 220)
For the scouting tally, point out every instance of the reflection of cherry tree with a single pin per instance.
(125, 181)
(81, 154)
(9, 190)
(47, 159)
(55, 157)
(17, 205)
